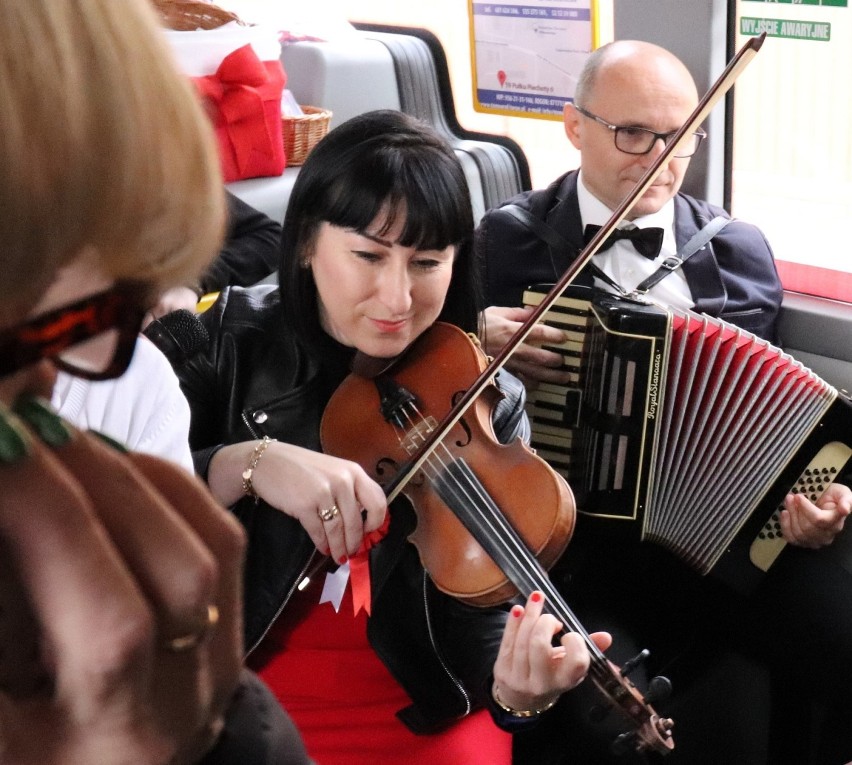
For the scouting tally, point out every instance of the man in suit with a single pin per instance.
(723, 652)
(633, 95)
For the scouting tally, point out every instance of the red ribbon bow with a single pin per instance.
(245, 99)
(359, 568)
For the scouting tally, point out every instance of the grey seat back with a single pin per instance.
(501, 169)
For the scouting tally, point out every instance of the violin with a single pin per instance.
(490, 517)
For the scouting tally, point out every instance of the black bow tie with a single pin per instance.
(647, 241)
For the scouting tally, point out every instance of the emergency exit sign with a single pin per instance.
(795, 30)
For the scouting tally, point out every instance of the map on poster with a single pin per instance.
(527, 55)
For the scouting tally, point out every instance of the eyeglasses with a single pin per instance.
(93, 338)
(639, 140)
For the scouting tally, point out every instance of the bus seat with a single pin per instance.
(348, 76)
(269, 195)
(425, 91)
(388, 68)
(816, 332)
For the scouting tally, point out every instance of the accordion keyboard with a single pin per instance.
(554, 409)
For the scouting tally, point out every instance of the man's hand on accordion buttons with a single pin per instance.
(530, 362)
(814, 525)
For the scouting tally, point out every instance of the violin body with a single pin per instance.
(535, 499)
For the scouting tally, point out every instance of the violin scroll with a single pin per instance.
(649, 731)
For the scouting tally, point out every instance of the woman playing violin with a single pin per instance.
(376, 248)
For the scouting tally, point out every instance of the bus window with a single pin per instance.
(792, 158)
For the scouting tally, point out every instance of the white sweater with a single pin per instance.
(144, 409)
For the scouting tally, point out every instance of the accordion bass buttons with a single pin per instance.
(816, 477)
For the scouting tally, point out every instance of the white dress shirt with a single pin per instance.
(626, 266)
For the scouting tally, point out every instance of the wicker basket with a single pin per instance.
(188, 15)
(302, 132)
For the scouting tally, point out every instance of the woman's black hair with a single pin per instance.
(379, 162)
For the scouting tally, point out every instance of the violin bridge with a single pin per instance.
(415, 437)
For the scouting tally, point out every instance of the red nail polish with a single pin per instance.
(343, 560)
(517, 612)
(536, 597)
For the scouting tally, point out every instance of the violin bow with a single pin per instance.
(715, 93)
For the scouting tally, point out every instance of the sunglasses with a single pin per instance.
(93, 338)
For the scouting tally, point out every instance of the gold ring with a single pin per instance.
(328, 513)
(191, 640)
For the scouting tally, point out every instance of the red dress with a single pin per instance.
(343, 700)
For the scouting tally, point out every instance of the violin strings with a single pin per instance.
(600, 670)
(519, 563)
(456, 478)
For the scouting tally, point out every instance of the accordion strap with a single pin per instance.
(544, 231)
(698, 241)
(554, 240)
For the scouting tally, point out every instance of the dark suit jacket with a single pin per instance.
(733, 278)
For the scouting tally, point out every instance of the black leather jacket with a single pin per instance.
(254, 380)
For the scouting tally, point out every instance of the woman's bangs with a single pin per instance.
(423, 189)
(355, 211)
(418, 189)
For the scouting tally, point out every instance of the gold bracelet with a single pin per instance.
(248, 488)
(520, 712)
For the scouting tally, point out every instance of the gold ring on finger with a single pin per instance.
(192, 639)
(328, 513)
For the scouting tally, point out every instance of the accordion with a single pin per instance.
(685, 428)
